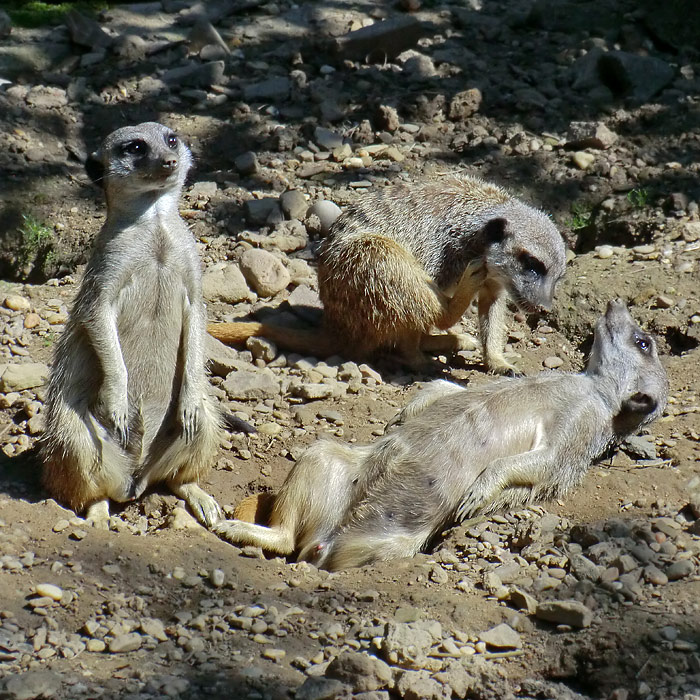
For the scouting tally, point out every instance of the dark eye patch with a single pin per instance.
(137, 147)
(532, 264)
(643, 342)
(171, 140)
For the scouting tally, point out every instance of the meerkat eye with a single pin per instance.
(532, 265)
(171, 140)
(643, 343)
(135, 148)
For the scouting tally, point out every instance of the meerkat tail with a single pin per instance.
(255, 509)
(305, 342)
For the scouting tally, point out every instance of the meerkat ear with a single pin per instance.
(639, 403)
(95, 169)
(495, 229)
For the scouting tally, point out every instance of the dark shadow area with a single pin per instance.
(20, 476)
(523, 61)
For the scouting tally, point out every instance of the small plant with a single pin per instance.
(638, 197)
(580, 216)
(27, 13)
(49, 339)
(37, 240)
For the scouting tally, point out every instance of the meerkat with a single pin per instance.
(127, 403)
(409, 259)
(455, 453)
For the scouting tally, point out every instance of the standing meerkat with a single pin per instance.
(408, 259)
(127, 404)
(455, 453)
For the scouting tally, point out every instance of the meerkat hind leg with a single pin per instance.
(97, 515)
(279, 540)
(426, 396)
(204, 506)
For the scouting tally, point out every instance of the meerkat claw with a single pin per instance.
(121, 430)
(190, 424)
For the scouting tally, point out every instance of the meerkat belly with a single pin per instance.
(150, 329)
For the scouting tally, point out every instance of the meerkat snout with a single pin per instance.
(519, 257)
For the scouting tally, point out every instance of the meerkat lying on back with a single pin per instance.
(407, 259)
(127, 404)
(456, 453)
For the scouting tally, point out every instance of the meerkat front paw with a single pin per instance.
(97, 515)
(113, 405)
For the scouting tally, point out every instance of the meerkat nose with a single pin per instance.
(169, 163)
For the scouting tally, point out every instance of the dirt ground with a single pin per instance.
(198, 617)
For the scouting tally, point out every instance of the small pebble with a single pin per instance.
(553, 362)
(49, 590)
(583, 160)
(274, 654)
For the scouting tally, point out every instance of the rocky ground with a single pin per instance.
(588, 109)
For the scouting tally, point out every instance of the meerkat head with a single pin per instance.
(525, 253)
(626, 358)
(140, 159)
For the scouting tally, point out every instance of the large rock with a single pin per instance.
(381, 40)
(501, 636)
(623, 74)
(590, 135)
(630, 75)
(275, 89)
(203, 33)
(314, 688)
(86, 32)
(21, 377)
(221, 359)
(294, 204)
(200, 75)
(31, 684)
(418, 685)
(244, 384)
(225, 283)
(406, 644)
(565, 612)
(265, 273)
(326, 211)
(262, 211)
(361, 671)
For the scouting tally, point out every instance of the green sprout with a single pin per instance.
(37, 238)
(580, 216)
(638, 197)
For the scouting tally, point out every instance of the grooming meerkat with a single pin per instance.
(127, 404)
(455, 453)
(408, 259)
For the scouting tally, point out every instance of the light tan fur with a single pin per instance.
(128, 405)
(455, 453)
(407, 260)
